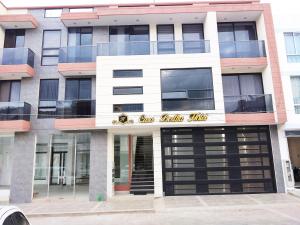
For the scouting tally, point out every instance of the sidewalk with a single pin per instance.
(148, 204)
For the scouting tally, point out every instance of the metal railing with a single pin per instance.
(248, 103)
(17, 56)
(75, 109)
(242, 49)
(15, 111)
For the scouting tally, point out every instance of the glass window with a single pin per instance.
(292, 45)
(10, 91)
(127, 73)
(296, 92)
(187, 89)
(52, 13)
(128, 108)
(127, 90)
(14, 38)
(47, 99)
(239, 31)
(244, 93)
(192, 32)
(165, 39)
(80, 36)
(51, 46)
(75, 10)
(78, 89)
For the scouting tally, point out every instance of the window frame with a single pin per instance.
(234, 30)
(78, 88)
(127, 76)
(79, 31)
(127, 104)
(45, 116)
(294, 104)
(127, 87)
(50, 56)
(297, 51)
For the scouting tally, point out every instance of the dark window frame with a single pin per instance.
(42, 116)
(190, 68)
(78, 90)
(187, 24)
(244, 22)
(10, 87)
(80, 34)
(128, 76)
(171, 49)
(127, 87)
(58, 49)
(128, 104)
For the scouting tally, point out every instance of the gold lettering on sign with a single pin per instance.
(145, 119)
(166, 118)
(197, 117)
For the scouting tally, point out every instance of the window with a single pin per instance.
(292, 45)
(243, 93)
(129, 40)
(187, 89)
(51, 45)
(127, 90)
(296, 92)
(14, 38)
(193, 36)
(10, 90)
(47, 99)
(128, 108)
(165, 39)
(80, 36)
(53, 13)
(75, 10)
(239, 31)
(127, 73)
(78, 89)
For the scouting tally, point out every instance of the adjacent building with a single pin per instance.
(162, 98)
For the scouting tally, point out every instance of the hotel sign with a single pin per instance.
(123, 119)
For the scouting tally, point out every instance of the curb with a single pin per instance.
(66, 214)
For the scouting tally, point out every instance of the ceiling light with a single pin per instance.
(196, 18)
(245, 18)
(170, 18)
(89, 22)
(115, 21)
(74, 23)
(137, 20)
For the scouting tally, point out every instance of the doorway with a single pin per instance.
(58, 175)
(294, 150)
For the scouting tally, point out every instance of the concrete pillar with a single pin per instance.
(277, 160)
(98, 165)
(157, 162)
(21, 188)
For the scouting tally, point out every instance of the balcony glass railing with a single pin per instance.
(17, 56)
(15, 111)
(152, 48)
(75, 109)
(248, 104)
(78, 54)
(242, 49)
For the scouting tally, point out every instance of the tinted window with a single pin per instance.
(51, 45)
(127, 90)
(10, 91)
(127, 73)
(128, 108)
(192, 32)
(244, 31)
(129, 33)
(165, 39)
(48, 97)
(14, 38)
(80, 36)
(78, 89)
(187, 89)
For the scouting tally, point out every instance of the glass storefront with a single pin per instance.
(6, 147)
(62, 166)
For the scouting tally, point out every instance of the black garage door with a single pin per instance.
(217, 160)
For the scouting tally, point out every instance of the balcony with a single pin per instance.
(77, 60)
(153, 48)
(16, 63)
(75, 115)
(14, 116)
(18, 21)
(249, 109)
(243, 56)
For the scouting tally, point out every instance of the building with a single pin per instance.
(163, 98)
(288, 42)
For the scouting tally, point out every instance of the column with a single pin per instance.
(21, 188)
(158, 181)
(98, 165)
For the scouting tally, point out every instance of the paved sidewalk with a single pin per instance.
(147, 204)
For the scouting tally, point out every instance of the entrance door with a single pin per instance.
(294, 149)
(58, 173)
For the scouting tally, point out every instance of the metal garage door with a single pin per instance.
(217, 160)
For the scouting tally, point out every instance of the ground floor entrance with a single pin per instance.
(133, 164)
(294, 150)
(217, 160)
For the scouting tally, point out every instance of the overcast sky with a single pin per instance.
(292, 5)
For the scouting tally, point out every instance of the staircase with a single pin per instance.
(142, 179)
